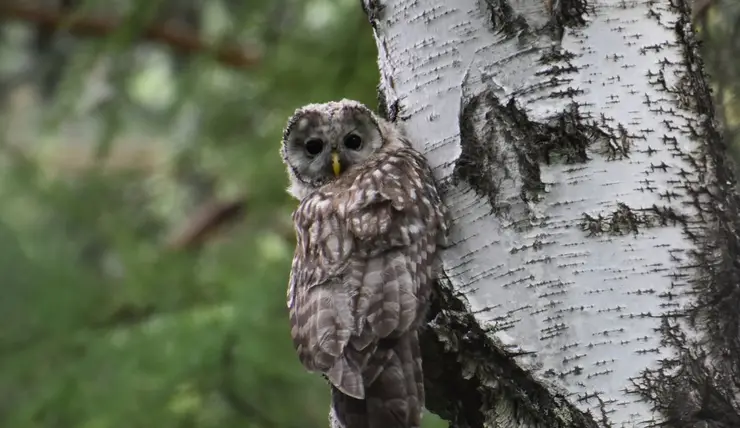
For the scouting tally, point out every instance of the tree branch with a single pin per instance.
(206, 222)
(88, 26)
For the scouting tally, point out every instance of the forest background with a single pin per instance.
(145, 235)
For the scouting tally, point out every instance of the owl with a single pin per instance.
(368, 227)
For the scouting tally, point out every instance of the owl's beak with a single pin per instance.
(336, 166)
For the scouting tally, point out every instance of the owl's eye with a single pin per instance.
(352, 141)
(314, 146)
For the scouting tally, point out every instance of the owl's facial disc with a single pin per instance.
(326, 141)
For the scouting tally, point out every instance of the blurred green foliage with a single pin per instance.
(718, 25)
(110, 143)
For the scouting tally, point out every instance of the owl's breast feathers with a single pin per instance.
(363, 265)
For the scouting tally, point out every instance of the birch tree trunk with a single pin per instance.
(593, 279)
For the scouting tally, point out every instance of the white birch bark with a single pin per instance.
(572, 155)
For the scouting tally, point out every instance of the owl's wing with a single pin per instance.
(392, 215)
(395, 215)
(319, 306)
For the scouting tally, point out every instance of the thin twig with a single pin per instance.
(88, 26)
(210, 218)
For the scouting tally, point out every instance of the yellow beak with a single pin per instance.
(335, 165)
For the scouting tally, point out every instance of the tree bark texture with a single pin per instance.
(593, 276)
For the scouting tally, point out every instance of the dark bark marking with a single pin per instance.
(699, 387)
(390, 112)
(374, 10)
(563, 13)
(504, 19)
(382, 103)
(467, 375)
(624, 220)
(569, 13)
(561, 63)
(480, 164)
(490, 131)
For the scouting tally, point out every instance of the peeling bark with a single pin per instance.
(593, 280)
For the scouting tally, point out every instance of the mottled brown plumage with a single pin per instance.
(364, 260)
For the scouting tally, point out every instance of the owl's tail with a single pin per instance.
(394, 392)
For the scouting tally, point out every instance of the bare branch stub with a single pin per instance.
(88, 26)
(206, 222)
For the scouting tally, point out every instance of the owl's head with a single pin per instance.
(323, 141)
